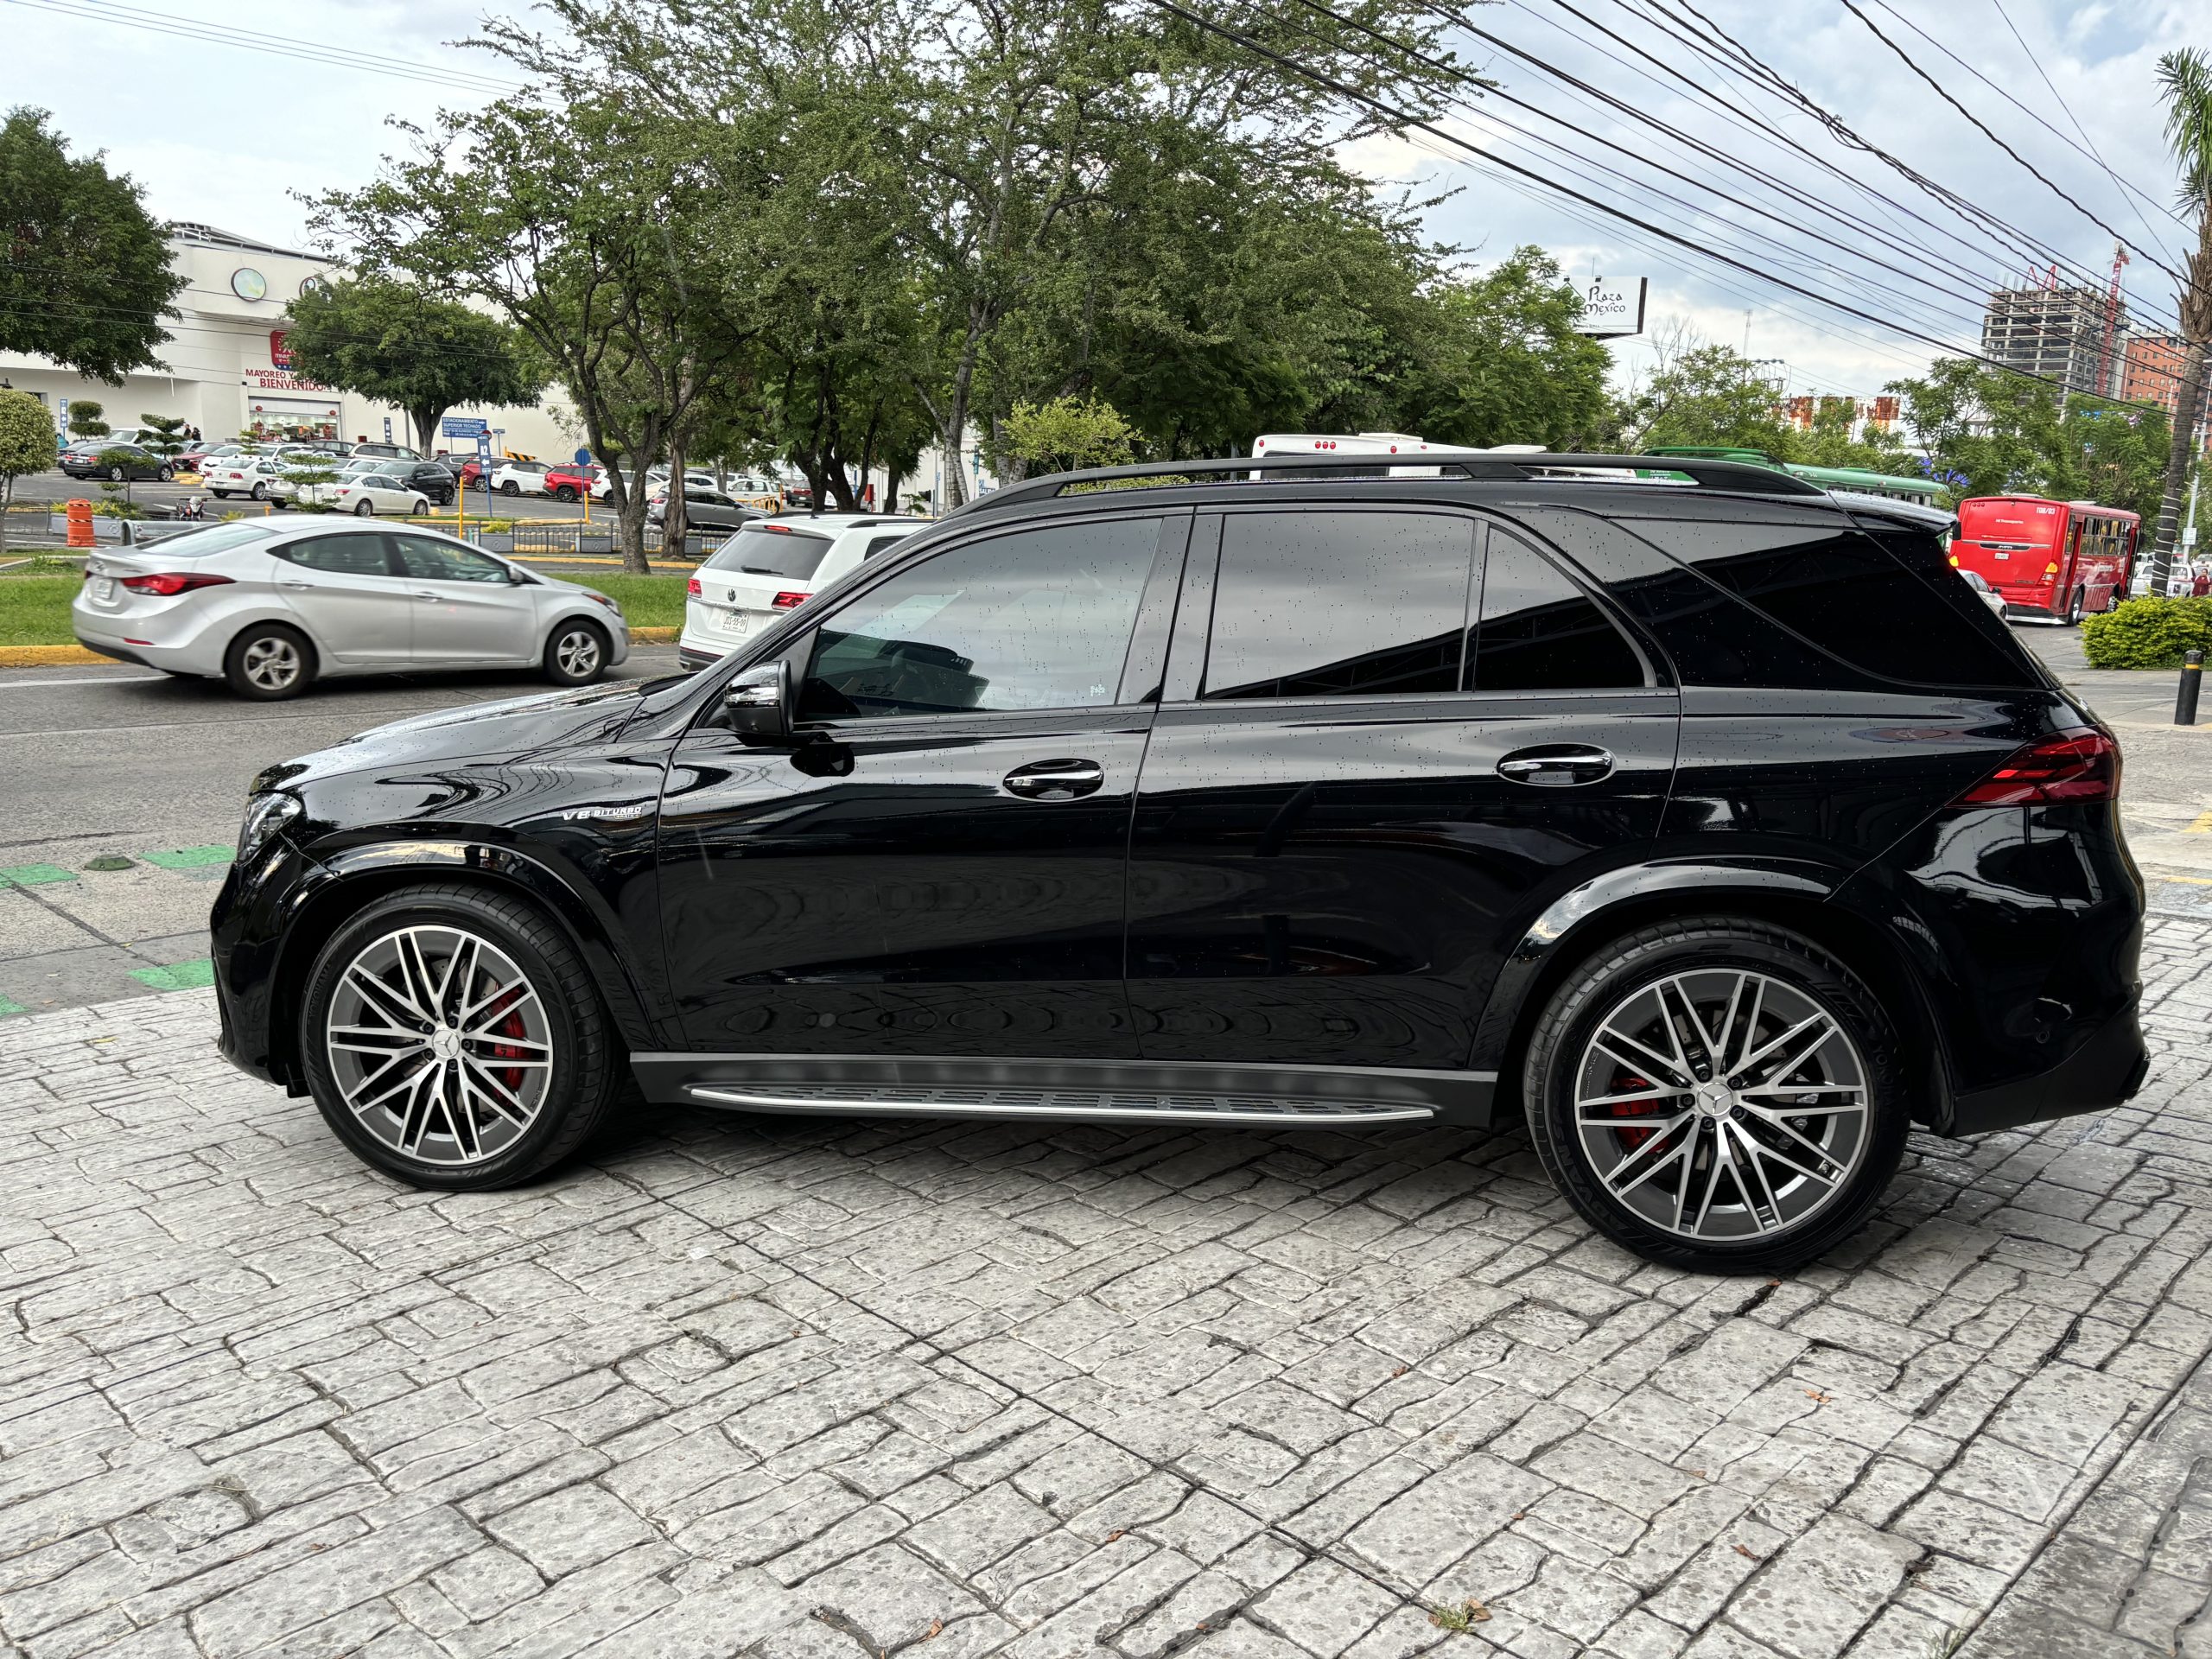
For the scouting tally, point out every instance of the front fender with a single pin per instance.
(1611, 903)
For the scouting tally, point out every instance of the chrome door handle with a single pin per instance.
(427, 598)
(288, 582)
(1556, 765)
(1056, 780)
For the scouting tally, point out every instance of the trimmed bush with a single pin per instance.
(2148, 632)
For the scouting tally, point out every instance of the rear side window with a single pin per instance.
(1538, 631)
(766, 551)
(1850, 595)
(1339, 604)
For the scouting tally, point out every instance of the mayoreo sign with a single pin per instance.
(1612, 306)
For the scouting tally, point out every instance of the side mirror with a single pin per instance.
(759, 702)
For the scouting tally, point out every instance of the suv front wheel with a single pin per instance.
(452, 1038)
(1721, 1096)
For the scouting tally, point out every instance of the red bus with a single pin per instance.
(2052, 560)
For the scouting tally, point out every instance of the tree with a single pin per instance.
(167, 438)
(395, 343)
(87, 419)
(1503, 361)
(2186, 86)
(26, 446)
(85, 274)
(1706, 394)
(307, 471)
(1068, 433)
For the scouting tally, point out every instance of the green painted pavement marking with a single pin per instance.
(188, 858)
(8, 1006)
(178, 976)
(33, 875)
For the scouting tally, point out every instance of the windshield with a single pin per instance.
(217, 538)
(762, 551)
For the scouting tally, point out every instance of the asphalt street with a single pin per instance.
(116, 761)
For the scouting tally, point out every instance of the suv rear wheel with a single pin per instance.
(1722, 1096)
(452, 1038)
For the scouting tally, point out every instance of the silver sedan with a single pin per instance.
(271, 606)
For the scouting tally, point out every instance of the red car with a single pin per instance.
(569, 483)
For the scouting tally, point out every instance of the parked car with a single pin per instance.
(370, 493)
(116, 463)
(246, 474)
(569, 483)
(772, 567)
(520, 477)
(273, 604)
(704, 508)
(200, 456)
(1709, 827)
(385, 451)
(1987, 594)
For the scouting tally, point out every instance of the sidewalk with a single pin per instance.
(830, 1390)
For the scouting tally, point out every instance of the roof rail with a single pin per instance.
(1742, 478)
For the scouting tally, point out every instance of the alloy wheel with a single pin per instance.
(440, 1045)
(272, 663)
(1722, 1105)
(577, 652)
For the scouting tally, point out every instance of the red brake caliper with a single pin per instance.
(1633, 1136)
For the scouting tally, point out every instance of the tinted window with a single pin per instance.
(1339, 604)
(1538, 631)
(1040, 619)
(1850, 595)
(341, 555)
(883, 544)
(772, 550)
(427, 560)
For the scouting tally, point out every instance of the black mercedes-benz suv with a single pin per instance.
(1705, 820)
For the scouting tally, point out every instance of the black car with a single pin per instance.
(433, 477)
(1704, 821)
(117, 462)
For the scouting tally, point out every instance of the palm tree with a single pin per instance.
(2186, 86)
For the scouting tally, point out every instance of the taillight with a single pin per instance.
(169, 583)
(785, 601)
(692, 587)
(2076, 765)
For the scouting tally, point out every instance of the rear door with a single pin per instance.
(466, 608)
(347, 594)
(939, 869)
(1353, 799)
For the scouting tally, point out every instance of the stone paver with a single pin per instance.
(832, 1390)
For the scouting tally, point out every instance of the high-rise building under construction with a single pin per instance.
(2054, 332)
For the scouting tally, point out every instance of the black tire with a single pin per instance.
(259, 492)
(420, 509)
(1561, 1046)
(564, 493)
(164, 476)
(587, 1073)
(115, 474)
(2074, 611)
(575, 652)
(255, 673)
(511, 489)
(220, 495)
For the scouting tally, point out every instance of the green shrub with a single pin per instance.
(2148, 632)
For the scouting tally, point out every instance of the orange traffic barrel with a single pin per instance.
(81, 524)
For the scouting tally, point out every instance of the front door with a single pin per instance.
(466, 608)
(939, 868)
(1353, 801)
(346, 590)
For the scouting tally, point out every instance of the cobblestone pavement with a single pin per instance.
(827, 1391)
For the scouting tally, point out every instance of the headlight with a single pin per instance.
(265, 815)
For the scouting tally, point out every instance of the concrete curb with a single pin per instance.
(52, 656)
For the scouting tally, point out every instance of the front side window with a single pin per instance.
(1538, 631)
(1313, 604)
(339, 555)
(426, 559)
(1037, 618)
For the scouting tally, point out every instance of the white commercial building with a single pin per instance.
(225, 369)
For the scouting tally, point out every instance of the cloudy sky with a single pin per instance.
(219, 132)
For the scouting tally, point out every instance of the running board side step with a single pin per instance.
(1062, 1105)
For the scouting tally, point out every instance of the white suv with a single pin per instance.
(772, 566)
(520, 477)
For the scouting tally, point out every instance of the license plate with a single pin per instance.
(2007, 556)
(734, 622)
(103, 588)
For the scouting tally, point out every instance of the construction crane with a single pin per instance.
(2111, 322)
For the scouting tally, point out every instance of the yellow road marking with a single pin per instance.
(2201, 827)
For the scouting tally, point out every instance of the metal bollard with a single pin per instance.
(2192, 676)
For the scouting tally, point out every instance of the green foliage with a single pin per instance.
(167, 439)
(647, 602)
(395, 343)
(1997, 433)
(1067, 434)
(87, 419)
(86, 279)
(26, 446)
(1497, 359)
(115, 502)
(1702, 394)
(2147, 632)
(307, 471)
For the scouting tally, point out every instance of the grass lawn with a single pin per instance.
(647, 602)
(35, 610)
